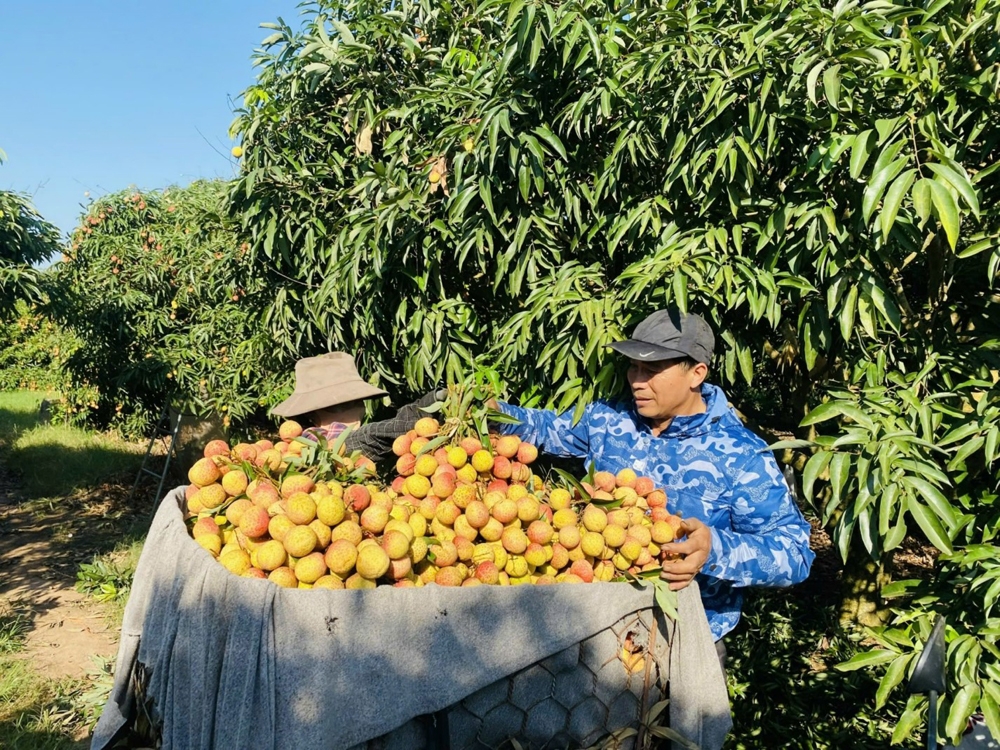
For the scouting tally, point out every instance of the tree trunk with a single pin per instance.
(861, 588)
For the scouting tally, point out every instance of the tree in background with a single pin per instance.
(26, 240)
(427, 184)
(164, 301)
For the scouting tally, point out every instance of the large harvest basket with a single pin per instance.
(583, 696)
(235, 662)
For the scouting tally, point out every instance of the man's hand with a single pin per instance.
(694, 551)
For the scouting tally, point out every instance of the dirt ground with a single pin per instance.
(42, 546)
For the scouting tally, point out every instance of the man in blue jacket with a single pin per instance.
(742, 526)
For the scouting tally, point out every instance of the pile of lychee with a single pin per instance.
(458, 514)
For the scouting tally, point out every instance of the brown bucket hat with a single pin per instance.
(325, 381)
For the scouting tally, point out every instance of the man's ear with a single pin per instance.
(698, 374)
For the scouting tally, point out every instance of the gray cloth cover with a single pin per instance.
(240, 662)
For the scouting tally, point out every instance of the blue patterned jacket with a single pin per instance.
(712, 468)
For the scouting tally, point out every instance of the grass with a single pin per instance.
(109, 577)
(54, 460)
(36, 713)
(62, 467)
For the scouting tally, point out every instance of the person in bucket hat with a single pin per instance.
(329, 394)
(741, 525)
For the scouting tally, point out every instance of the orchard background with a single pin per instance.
(436, 187)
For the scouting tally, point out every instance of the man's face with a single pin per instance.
(665, 389)
(349, 414)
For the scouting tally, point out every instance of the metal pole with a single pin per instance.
(932, 721)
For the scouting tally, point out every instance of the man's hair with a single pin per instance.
(687, 362)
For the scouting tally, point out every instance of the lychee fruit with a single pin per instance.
(271, 555)
(482, 461)
(401, 445)
(235, 483)
(284, 577)
(527, 453)
(279, 526)
(340, 557)
(457, 457)
(374, 519)
(289, 430)
(301, 508)
(406, 465)
(300, 541)
(254, 521)
(357, 497)
(426, 427)
(625, 478)
(372, 562)
(508, 445)
(216, 448)
(204, 472)
(477, 514)
(310, 568)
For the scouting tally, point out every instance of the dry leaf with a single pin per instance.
(363, 142)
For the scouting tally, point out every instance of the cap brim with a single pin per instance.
(325, 398)
(644, 352)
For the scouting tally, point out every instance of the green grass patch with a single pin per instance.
(38, 713)
(108, 578)
(54, 460)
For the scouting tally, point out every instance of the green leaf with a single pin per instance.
(831, 86)
(344, 30)
(907, 722)
(745, 358)
(666, 598)
(893, 199)
(552, 139)
(930, 524)
(784, 444)
(863, 145)
(922, 202)
(811, 80)
(959, 182)
(892, 677)
(947, 211)
(866, 659)
(847, 313)
(876, 186)
(935, 499)
(840, 467)
(833, 409)
(962, 707)
(433, 445)
(991, 712)
(814, 467)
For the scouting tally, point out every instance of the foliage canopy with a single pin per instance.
(26, 240)
(427, 184)
(165, 305)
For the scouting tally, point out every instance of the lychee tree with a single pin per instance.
(26, 240)
(166, 304)
(32, 349)
(521, 182)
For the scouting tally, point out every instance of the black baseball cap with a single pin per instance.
(669, 334)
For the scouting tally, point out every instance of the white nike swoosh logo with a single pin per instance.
(646, 354)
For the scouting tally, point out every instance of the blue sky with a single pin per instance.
(97, 96)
